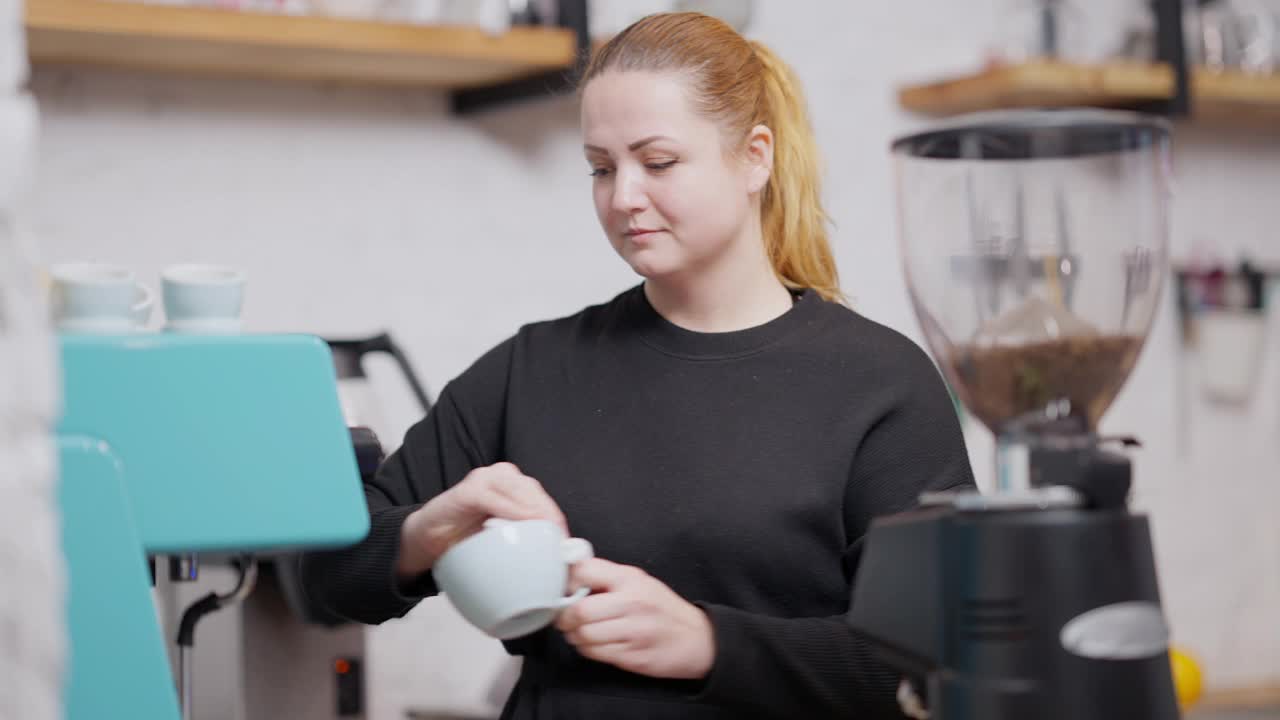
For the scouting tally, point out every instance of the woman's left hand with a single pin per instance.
(634, 621)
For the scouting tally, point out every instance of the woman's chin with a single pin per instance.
(652, 268)
(649, 271)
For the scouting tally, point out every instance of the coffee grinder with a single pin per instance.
(1034, 245)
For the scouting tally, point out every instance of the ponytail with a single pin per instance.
(795, 225)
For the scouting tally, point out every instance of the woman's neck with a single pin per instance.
(738, 291)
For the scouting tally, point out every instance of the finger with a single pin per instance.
(529, 493)
(601, 575)
(591, 609)
(487, 502)
(484, 475)
(609, 632)
(611, 653)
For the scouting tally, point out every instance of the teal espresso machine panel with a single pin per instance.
(226, 443)
(173, 444)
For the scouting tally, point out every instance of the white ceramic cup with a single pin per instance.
(509, 579)
(202, 298)
(96, 298)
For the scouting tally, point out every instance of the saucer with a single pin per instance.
(205, 326)
(98, 326)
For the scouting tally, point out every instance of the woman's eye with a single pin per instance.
(660, 165)
(599, 172)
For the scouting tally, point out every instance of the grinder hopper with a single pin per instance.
(1034, 245)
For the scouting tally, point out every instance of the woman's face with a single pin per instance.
(669, 197)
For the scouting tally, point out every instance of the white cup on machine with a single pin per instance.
(509, 579)
(88, 297)
(203, 299)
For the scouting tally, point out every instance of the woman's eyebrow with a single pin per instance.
(632, 147)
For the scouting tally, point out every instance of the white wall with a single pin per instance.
(356, 210)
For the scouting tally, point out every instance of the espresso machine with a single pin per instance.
(287, 645)
(1035, 245)
(274, 653)
(226, 448)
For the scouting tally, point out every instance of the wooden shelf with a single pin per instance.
(1233, 98)
(209, 41)
(1220, 98)
(1249, 698)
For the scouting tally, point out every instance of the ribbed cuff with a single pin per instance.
(422, 586)
(795, 667)
(732, 674)
(362, 580)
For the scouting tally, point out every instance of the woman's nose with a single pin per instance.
(629, 193)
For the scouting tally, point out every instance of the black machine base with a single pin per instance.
(1050, 613)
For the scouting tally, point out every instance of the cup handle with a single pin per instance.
(569, 600)
(575, 550)
(141, 309)
(148, 295)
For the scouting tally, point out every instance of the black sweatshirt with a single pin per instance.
(739, 468)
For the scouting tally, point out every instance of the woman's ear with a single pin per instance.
(759, 157)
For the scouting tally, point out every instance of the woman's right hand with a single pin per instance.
(496, 491)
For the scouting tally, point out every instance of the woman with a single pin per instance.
(722, 433)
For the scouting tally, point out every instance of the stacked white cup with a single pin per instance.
(201, 298)
(103, 298)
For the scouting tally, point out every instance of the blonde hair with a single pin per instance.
(741, 84)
